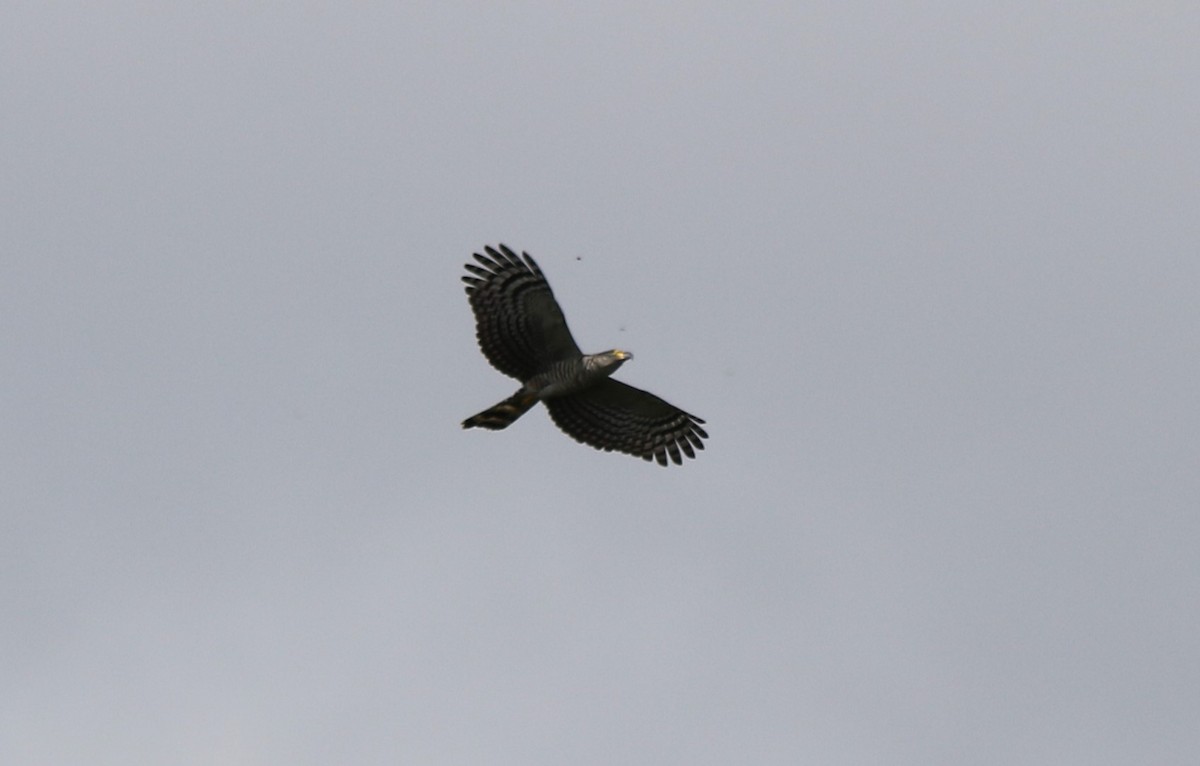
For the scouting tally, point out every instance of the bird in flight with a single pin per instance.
(523, 333)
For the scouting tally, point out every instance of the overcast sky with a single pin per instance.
(930, 271)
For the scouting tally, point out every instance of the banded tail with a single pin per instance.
(503, 414)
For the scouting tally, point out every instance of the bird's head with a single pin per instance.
(606, 362)
(614, 358)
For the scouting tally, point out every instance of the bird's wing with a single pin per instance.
(614, 416)
(520, 327)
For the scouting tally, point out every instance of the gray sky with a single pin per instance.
(929, 271)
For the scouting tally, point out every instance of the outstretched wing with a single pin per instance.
(614, 416)
(521, 329)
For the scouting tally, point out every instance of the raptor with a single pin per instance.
(523, 333)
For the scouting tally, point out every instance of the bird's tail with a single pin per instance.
(503, 414)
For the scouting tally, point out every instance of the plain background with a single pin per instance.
(929, 270)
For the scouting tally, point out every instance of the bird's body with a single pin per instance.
(523, 333)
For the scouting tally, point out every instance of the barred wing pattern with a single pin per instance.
(614, 416)
(521, 329)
